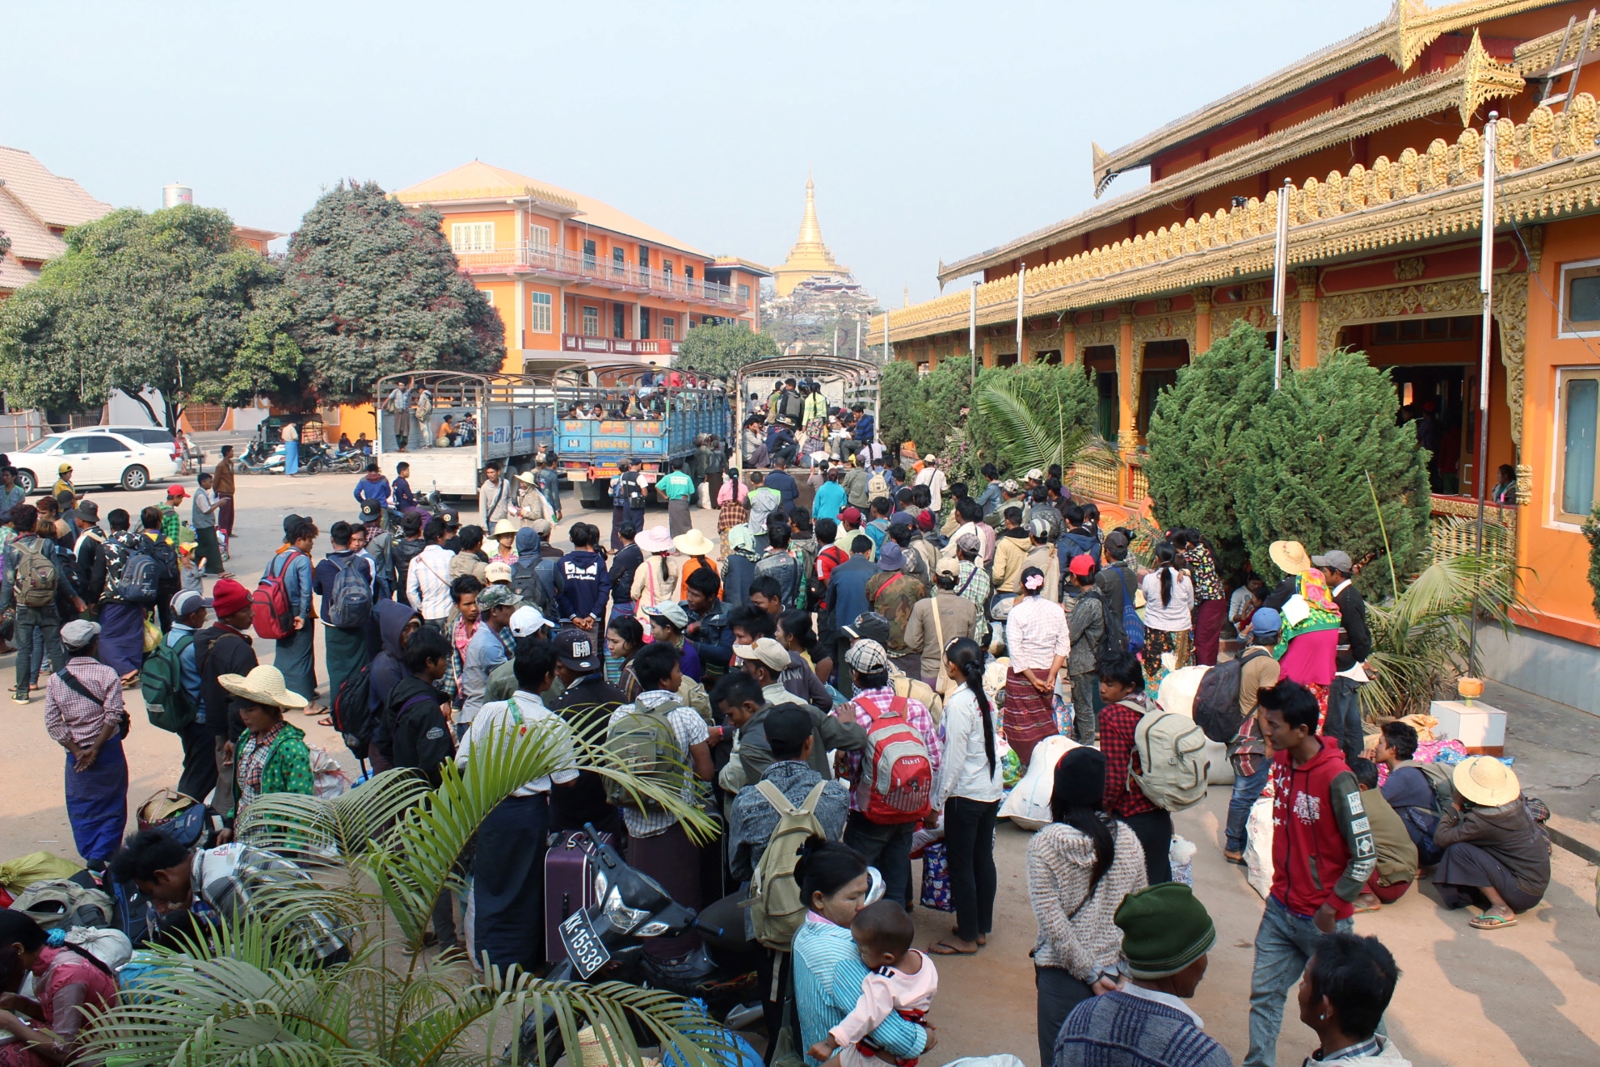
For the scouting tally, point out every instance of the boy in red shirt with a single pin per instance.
(1322, 856)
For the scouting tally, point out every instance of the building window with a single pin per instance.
(619, 262)
(619, 321)
(644, 258)
(539, 238)
(1579, 415)
(591, 321)
(1580, 298)
(644, 323)
(472, 237)
(588, 255)
(539, 312)
(744, 295)
(666, 274)
(922, 368)
(669, 328)
(688, 272)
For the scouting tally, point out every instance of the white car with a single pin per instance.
(98, 457)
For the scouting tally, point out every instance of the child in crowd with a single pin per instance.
(903, 980)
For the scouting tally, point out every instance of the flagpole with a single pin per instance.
(1021, 271)
(972, 329)
(858, 338)
(1280, 271)
(1486, 285)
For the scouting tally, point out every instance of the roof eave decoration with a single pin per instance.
(1474, 79)
(1548, 165)
(502, 192)
(1410, 28)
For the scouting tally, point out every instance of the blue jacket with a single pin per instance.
(367, 489)
(582, 585)
(866, 429)
(714, 641)
(1077, 544)
(784, 483)
(297, 581)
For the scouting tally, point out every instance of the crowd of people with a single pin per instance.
(824, 657)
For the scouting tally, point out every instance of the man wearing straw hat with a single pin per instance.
(531, 507)
(1495, 853)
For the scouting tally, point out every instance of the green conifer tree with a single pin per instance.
(1303, 464)
(1193, 439)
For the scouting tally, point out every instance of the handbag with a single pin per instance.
(936, 878)
(944, 685)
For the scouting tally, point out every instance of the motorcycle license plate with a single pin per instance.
(584, 948)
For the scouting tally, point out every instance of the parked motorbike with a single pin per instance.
(606, 943)
(261, 462)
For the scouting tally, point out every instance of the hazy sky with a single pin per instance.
(934, 129)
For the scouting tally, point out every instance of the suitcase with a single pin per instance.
(568, 886)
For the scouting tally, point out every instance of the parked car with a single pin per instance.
(99, 457)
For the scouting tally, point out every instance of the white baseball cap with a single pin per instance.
(527, 621)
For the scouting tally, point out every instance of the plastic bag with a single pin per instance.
(1258, 846)
(1010, 768)
(1180, 854)
(328, 778)
(18, 874)
(936, 879)
(921, 839)
(1028, 805)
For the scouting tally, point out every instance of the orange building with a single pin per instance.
(1381, 137)
(573, 276)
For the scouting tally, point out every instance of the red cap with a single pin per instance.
(176, 490)
(925, 521)
(850, 515)
(1081, 565)
(229, 597)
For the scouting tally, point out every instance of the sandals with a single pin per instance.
(1363, 906)
(944, 949)
(1234, 857)
(1491, 922)
(327, 721)
(983, 939)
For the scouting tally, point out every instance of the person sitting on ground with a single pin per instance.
(903, 982)
(1080, 867)
(1397, 855)
(1496, 855)
(1346, 989)
(212, 885)
(70, 986)
(1412, 789)
(1166, 934)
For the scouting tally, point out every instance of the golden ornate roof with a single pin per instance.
(809, 256)
(1411, 26)
(1548, 167)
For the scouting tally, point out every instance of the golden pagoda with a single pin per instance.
(809, 256)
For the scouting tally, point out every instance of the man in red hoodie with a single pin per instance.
(1322, 856)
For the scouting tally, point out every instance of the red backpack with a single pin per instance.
(273, 614)
(896, 783)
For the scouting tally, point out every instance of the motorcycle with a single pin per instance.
(605, 942)
(256, 461)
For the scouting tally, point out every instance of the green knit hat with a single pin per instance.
(1164, 929)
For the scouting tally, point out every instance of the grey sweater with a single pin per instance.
(1060, 866)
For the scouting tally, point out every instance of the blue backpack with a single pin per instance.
(1132, 625)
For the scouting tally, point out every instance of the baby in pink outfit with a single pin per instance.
(903, 981)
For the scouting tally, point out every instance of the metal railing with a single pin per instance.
(581, 265)
(652, 346)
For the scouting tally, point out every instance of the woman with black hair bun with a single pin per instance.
(969, 793)
(1080, 867)
(828, 972)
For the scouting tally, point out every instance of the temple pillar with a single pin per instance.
(1202, 321)
(1069, 341)
(988, 351)
(1305, 281)
(1127, 435)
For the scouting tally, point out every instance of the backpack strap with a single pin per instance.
(72, 682)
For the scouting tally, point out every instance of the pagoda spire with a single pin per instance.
(809, 256)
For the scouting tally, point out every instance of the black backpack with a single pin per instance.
(352, 711)
(526, 583)
(632, 492)
(1216, 702)
(140, 579)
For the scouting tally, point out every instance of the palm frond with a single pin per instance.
(1029, 438)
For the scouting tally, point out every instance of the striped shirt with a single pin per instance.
(828, 977)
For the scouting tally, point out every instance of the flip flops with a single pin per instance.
(944, 949)
(1491, 922)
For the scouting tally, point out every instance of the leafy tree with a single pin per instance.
(723, 348)
(165, 300)
(1194, 434)
(377, 291)
(1303, 466)
(899, 404)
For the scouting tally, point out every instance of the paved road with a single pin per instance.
(1527, 995)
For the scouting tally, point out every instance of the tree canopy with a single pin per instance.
(164, 300)
(1193, 435)
(723, 348)
(376, 290)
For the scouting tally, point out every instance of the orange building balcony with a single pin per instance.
(562, 265)
(617, 346)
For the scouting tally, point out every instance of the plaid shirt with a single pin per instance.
(869, 704)
(171, 524)
(1036, 633)
(70, 714)
(1117, 724)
